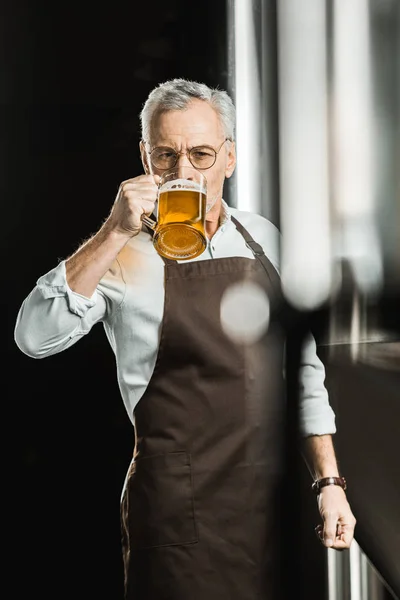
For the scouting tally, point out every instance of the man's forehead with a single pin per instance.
(197, 124)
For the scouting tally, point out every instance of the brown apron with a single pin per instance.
(200, 508)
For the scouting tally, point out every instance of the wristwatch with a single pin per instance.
(320, 483)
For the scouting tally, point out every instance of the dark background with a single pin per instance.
(74, 78)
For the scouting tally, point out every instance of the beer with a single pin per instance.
(180, 232)
(180, 229)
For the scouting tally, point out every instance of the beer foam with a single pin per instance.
(182, 185)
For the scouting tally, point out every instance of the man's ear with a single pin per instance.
(231, 160)
(143, 156)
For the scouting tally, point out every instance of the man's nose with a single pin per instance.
(183, 162)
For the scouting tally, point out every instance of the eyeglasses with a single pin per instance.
(201, 157)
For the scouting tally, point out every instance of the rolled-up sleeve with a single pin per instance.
(53, 317)
(316, 416)
(54, 285)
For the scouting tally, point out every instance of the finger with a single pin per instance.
(144, 207)
(139, 179)
(138, 186)
(135, 199)
(340, 530)
(136, 196)
(345, 534)
(329, 531)
(341, 544)
(148, 208)
(319, 531)
(343, 538)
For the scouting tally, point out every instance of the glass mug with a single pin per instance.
(179, 232)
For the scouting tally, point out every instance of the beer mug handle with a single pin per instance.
(149, 222)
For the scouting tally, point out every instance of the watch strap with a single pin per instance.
(324, 481)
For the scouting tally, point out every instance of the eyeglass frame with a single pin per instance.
(187, 153)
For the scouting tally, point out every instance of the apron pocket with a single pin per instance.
(160, 500)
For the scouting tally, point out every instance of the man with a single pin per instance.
(199, 505)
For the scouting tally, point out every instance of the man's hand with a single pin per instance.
(339, 522)
(135, 197)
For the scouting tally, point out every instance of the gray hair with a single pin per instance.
(176, 94)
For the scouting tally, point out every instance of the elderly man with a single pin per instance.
(199, 505)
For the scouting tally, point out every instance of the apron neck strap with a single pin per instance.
(254, 247)
(258, 252)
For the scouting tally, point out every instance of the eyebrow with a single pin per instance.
(189, 147)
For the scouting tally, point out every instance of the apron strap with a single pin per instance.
(259, 254)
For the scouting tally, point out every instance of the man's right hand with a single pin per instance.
(135, 197)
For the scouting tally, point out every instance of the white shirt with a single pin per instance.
(129, 301)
